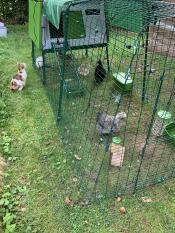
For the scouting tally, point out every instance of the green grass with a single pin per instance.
(42, 165)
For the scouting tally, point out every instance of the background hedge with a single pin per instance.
(14, 11)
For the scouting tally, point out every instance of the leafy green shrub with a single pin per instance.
(6, 144)
(14, 11)
(10, 206)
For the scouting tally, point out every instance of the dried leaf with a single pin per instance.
(146, 199)
(84, 203)
(118, 199)
(68, 201)
(23, 209)
(122, 210)
(2, 163)
(1, 173)
(77, 157)
(74, 179)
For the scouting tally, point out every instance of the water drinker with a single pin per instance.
(122, 81)
(170, 131)
(164, 115)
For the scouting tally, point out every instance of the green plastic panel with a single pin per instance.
(53, 9)
(35, 10)
(76, 22)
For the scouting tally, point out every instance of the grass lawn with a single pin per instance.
(39, 163)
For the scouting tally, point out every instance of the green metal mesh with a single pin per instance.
(135, 39)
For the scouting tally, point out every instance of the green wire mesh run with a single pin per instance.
(135, 42)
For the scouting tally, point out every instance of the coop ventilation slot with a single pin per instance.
(92, 12)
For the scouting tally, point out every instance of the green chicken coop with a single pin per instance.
(134, 104)
(63, 25)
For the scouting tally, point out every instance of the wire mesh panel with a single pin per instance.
(109, 74)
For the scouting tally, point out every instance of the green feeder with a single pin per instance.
(116, 140)
(170, 131)
(122, 81)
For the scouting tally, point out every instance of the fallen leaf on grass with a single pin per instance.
(118, 199)
(74, 179)
(122, 210)
(2, 163)
(68, 201)
(18, 197)
(83, 203)
(23, 209)
(1, 173)
(77, 157)
(146, 199)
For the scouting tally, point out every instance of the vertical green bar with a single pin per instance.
(44, 67)
(33, 54)
(145, 65)
(65, 44)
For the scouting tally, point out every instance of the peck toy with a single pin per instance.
(117, 152)
(163, 118)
